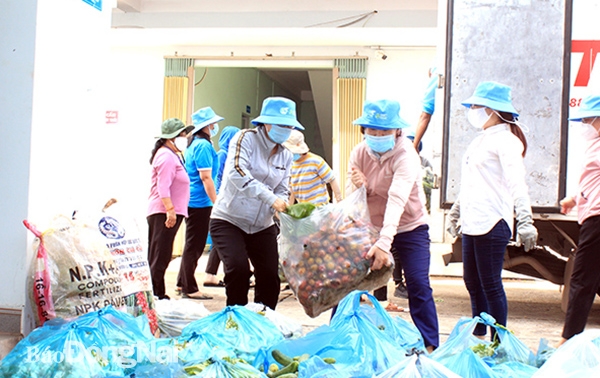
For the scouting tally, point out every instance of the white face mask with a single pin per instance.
(181, 143)
(477, 117)
(215, 130)
(588, 131)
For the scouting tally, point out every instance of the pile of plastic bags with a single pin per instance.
(362, 340)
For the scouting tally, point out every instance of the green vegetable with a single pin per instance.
(197, 369)
(291, 368)
(484, 350)
(289, 375)
(329, 360)
(230, 323)
(281, 358)
(300, 210)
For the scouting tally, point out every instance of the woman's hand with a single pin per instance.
(358, 178)
(171, 218)
(380, 258)
(279, 205)
(566, 204)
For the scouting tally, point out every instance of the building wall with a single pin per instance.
(16, 102)
(53, 102)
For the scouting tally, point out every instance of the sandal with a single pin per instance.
(197, 295)
(392, 307)
(212, 284)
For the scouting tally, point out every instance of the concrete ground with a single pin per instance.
(534, 305)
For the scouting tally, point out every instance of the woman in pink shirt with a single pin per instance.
(388, 166)
(585, 279)
(168, 200)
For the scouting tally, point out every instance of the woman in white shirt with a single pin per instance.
(493, 188)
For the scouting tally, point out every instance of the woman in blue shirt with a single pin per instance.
(201, 164)
(212, 265)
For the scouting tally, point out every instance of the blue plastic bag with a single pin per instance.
(404, 333)
(577, 357)
(511, 348)
(514, 369)
(315, 367)
(507, 347)
(217, 367)
(322, 342)
(236, 327)
(64, 352)
(171, 370)
(418, 365)
(119, 328)
(544, 352)
(468, 365)
(359, 347)
(199, 347)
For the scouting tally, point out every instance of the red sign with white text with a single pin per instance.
(112, 116)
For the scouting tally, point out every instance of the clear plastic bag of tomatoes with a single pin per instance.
(323, 255)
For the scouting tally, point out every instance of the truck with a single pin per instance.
(545, 50)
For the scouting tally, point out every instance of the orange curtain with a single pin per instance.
(351, 96)
(175, 98)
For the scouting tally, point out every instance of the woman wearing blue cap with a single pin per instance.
(255, 185)
(202, 165)
(492, 189)
(390, 168)
(585, 279)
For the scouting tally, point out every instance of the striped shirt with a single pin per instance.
(309, 178)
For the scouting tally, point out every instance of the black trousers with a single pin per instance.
(585, 279)
(235, 248)
(196, 232)
(212, 265)
(160, 249)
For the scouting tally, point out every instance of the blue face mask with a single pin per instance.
(297, 156)
(279, 134)
(380, 144)
(214, 131)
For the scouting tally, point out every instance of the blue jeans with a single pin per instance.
(483, 257)
(412, 251)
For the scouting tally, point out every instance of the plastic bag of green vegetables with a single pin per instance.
(62, 352)
(506, 347)
(300, 210)
(223, 368)
(239, 329)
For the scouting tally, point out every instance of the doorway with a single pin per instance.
(232, 91)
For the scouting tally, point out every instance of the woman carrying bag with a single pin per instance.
(387, 164)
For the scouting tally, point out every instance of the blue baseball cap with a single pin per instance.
(492, 95)
(381, 115)
(278, 111)
(590, 107)
(204, 117)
